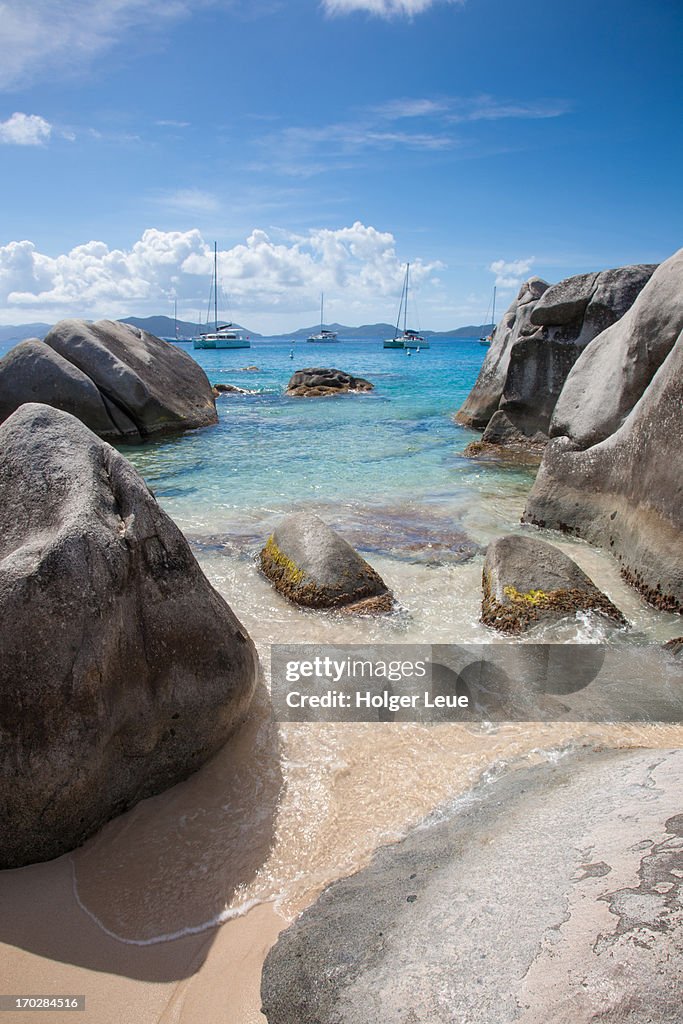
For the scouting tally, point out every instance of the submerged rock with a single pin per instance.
(626, 493)
(552, 895)
(227, 389)
(612, 373)
(121, 381)
(675, 647)
(122, 669)
(535, 346)
(310, 564)
(527, 581)
(315, 382)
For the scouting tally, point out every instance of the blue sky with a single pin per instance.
(323, 143)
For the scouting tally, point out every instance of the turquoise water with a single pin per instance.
(393, 449)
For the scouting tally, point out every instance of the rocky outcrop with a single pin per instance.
(313, 566)
(122, 669)
(534, 356)
(33, 372)
(526, 581)
(485, 396)
(552, 894)
(122, 382)
(626, 493)
(318, 382)
(612, 373)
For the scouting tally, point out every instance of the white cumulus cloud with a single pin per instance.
(357, 264)
(25, 130)
(511, 273)
(383, 8)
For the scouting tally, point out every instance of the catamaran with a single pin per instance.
(227, 335)
(323, 336)
(408, 338)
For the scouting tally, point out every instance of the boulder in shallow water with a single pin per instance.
(535, 346)
(626, 493)
(485, 396)
(527, 581)
(122, 670)
(33, 372)
(612, 373)
(310, 564)
(149, 386)
(318, 382)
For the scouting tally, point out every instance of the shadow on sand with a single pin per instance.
(143, 897)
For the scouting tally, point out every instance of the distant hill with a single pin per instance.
(387, 331)
(472, 331)
(12, 332)
(164, 326)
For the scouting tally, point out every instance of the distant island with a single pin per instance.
(165, 327)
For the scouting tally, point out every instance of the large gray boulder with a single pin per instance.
(612, 373)
(626, 493)
(552, 894)
(313, 566)
(121, 669)
(33, 372)
(541, 351)
(526, 581)
(122, 382)
(485, 396)
(144, 379)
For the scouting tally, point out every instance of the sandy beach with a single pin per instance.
(92, 922)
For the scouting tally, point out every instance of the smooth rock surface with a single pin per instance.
(121, 669)
(318, 382)
(310, 564)
(536, 345)
(526, 581)
(33, 372)
(626, 493)
(612, 373)
(125, 384)
(485, 396)
(546, 350)
(550, 894)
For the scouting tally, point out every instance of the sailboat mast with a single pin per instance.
(175, 317)
(405, 308)
(322, 296)
(215, 285)
(493, 316)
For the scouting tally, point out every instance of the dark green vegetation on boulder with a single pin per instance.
(313, 566)
(125, 384)
(553, 894)
(320, 382)
(122, 670)
(526, 581)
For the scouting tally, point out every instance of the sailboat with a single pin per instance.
(489, 337)
(323, 336)
(227, 335)
(176, 330)
(408, 338)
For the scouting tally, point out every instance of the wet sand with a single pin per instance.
(92, 922)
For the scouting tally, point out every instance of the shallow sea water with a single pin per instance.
(285, 809)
